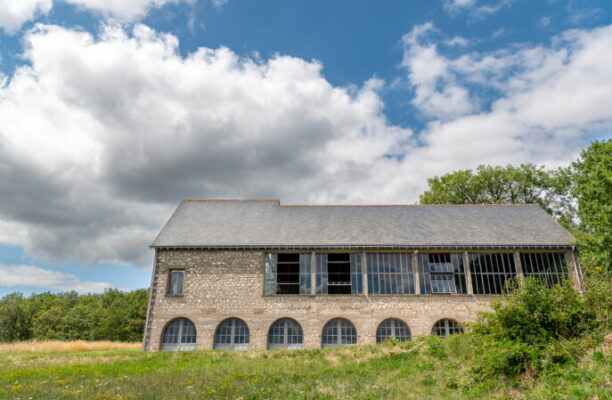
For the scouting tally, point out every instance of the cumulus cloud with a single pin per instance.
(100, 137)
(123, 10)
(437, 93)
(31, 276)
(14, 13)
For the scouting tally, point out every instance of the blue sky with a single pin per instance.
(112, 112)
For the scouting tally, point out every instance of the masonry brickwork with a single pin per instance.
(224, 284)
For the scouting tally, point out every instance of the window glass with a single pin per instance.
(441, 273)
(232, 334)
(394, 328)
(175, 285)
(390, 273)
(491, 273)
(338, 332)
(285, 334)
(545, 267)
(446, 327)
(180, 334)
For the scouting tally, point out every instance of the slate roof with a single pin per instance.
(268, 224)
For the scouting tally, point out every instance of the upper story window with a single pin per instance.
(287, 273)
(339, 273)
(491, 273)
(175, 282)
(390, 273)
(545, 267)
(441, 273)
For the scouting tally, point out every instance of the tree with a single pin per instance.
(525, 184)
(15, 321)
(592, 175)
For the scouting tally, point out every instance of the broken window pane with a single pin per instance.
(491, 273)
(287, 273)
(390, 273)
(441, 273)
(339, 273)
(545, 267)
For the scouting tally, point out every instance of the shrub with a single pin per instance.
(534, 329)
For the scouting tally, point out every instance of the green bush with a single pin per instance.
(534, 329)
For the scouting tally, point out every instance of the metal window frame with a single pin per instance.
(284, 325)
(179, 345)
(340, 327)
(393, 324)
(233, 326)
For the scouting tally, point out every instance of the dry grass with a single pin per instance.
(58, 346)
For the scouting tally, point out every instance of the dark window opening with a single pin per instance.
(339, 273)
(288, 274)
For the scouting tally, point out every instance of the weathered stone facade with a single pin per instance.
(220, 284)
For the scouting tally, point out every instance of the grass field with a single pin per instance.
(426, 368)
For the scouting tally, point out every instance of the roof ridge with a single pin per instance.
(228, 200)
(409, 205)
(353, 205)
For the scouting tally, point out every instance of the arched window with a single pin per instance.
(392, 327)
(285, 334)
(446, 327)
(232, 334)
(179, 334)
(338, 332)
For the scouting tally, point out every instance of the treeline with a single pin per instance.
(112, 315)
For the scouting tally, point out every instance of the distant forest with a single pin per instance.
(112, 315)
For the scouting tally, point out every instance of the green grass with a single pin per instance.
(426, 368)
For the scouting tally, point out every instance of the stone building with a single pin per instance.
(256, 274)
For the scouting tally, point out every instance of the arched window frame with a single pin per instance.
(186, 334)
(399, 330)
(235, 325)
(346, 333)
(446, 327)
(289, 331)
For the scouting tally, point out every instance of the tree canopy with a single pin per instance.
(525, 184)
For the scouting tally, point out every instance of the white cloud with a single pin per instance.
(14, 13)
(437, 93)
(130, 10)
(101, 137)
(475, 8)
(36, 277)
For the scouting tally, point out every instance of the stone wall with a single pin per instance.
(224, 284)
